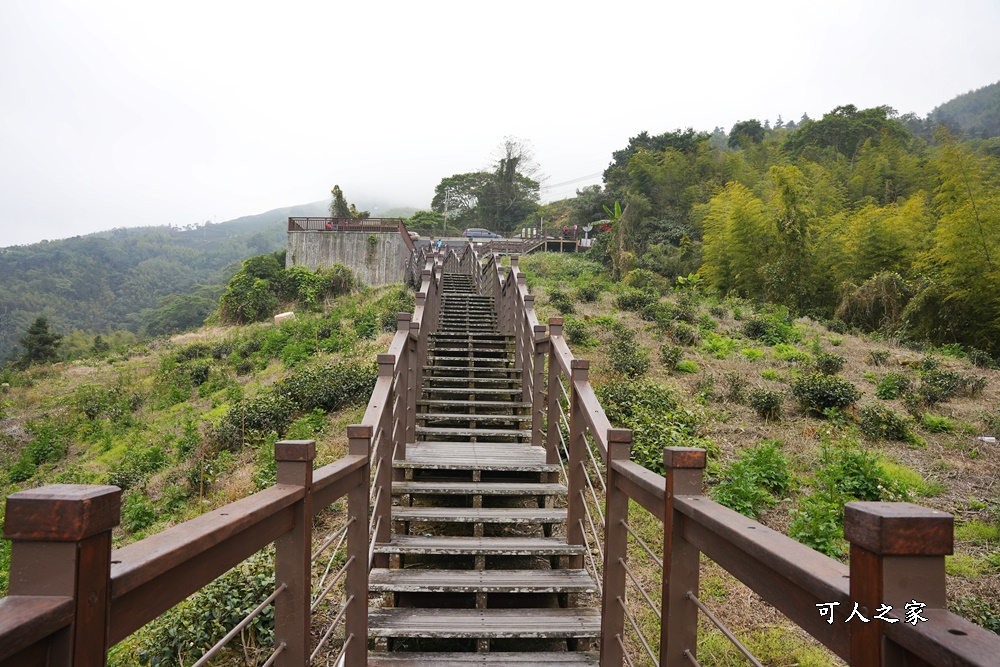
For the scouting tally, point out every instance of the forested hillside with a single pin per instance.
(976, 113)
(851, 217)
(124, 282)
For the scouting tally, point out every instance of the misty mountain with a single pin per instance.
(976, 113)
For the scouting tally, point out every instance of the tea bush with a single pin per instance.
(829, 364)
(877, 421)
(590, 291)
(577, 332)
(736, 387)
(818, 392)
(765, 402)
(878, 357)
(980, 358)
(685, 334)
(629, 358)
(330, 385)
(670, 355)
(749, 484)
(561, 301)
(630, 298)
(771, 329)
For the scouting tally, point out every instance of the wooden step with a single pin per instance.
(505, 515)
(480, 546)
(471, 404)
(484, 623)
(441, 379)
(479, 391)
(492, 659)
(474, 360)
(478, 488)
(471, 369)
(477, 433)
(481, 581)
(510, 456)
(471, 417)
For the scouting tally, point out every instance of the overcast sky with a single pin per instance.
(142, 112)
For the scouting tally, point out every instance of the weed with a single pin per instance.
(720, 347)
(978, 532)
(966, 566)
(770, 374)
(749, 483)
(836, 341)
(817, 522)
(686, 366)
(789, 353)
(934, 424)
(981, 612)
(753, 353)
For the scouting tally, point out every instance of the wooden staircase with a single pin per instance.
(480, 571)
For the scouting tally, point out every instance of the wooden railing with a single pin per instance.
(896, 557)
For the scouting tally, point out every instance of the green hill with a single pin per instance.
(976, 113)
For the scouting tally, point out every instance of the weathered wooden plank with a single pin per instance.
(482, 546)
(474, 404)
(481, 581)
(472, 416)
(27, 619)
(515, 515)
(479, 488)
(565, 659)
(522, 623)
(473, 432)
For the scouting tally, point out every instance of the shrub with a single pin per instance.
(685, 334)
(577, 332)
(736, 386)
(138, 512)
(818, 523)
(770, 329)
(268, 412)
(629, 358)
(818, 392)
(892, 386)
(718, 312)
(685, 312)
(980, 358)
(330, 386)
(789, 353)
(853, 471)
(670, 355)
(687, 366)
(877, 421)
(137, 465)
(748, 484)
(829, 364)
(589, 291)
(561, 301)
(974, 385)
(938, 385)
(765, 402)
(878, 357)
(630, 298)
(836, 326)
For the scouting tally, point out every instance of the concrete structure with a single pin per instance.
(376, 255)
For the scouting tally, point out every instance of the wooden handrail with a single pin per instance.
(28, 624)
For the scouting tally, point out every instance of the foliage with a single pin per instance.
(935, 424)
(876, 305)
(878, 358)
(670, 355)
(818, 392)
(770, 329)
(749, 483)
(829, 364)
(984, 613)
(877, 421)
(41, 346)
(589, 291)
(578, 332)
(687, 366)
(631, 298)
(627, 357)
(685, 334)
(654, 413)
(561, 301)
(892, 385)
(817, 522)
(765, 402)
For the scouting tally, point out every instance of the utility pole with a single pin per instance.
(444, 228)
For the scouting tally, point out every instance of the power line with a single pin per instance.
(570, 182)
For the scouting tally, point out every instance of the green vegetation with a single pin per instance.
(750, 483)
(818, 392)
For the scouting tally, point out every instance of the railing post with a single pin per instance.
(575, 512)
(679, 627)
(359, 439)
(615, 552)
(292, 557)
(897, 558)
(61, 538)
(537, 397)
(552, 454)
(413, 374)
(383, 464)
(404, 396)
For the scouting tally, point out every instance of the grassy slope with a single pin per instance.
(948, 470)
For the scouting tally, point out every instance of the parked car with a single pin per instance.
(480, 233)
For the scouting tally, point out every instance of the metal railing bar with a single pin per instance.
(635, 626)
(565, 421)
(625, 654)
(638, 539)
(562, 388)
(593, 493)
(649, 600)
(332, 583)
(239, 627)
(340, 656)
(274, 656)
(331, 628)
(593, 528)
(331, 538)
(590, 557)
(691, 658)
(371, 546)
(593, 459)
(374, 447)
(371, 521)
(722, 628)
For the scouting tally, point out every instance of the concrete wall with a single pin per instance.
(380, 263)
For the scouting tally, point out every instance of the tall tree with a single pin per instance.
(40, 345)
(338, 204)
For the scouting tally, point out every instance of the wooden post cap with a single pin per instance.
(899, 529)
(295, 450)
(360, 431)
(62, 512)
(683, 457)
(619, 435)
(555, 320)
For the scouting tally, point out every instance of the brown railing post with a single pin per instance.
(615, 553)
(897, 559)
(413, 375)
(383, 464)
(356, 582)
(61, 538)
(403, 397)
(679, 627)
(555, 395)
(575, 511)
(538, 385)
(292, 557)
